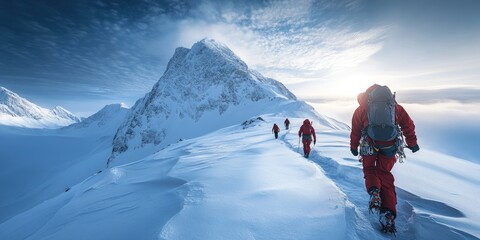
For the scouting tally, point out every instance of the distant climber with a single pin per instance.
(287, 123)
(377, 127)
(275, 130)
(306, 132)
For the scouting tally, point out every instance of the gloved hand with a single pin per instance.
(414, 148)
(314, 141)
(354, 152)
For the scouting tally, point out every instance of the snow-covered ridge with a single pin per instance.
(18, 111)
(203, 88)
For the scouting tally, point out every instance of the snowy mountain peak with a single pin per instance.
(204, 53)
(107, 120)
(215, 73)
(210, 49)
(17, 111)
(105, 115)
(15, 106)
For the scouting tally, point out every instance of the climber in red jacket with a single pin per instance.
(306, 131)
(275, 130)
(370, 122)
(287, 123)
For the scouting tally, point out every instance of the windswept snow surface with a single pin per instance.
(241, 183)
(235, 183)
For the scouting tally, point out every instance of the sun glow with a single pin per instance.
(350, 82)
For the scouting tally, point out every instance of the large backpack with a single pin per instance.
(306, 127)
(381, 115)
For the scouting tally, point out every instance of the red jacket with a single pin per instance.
(275, 128)
(306, 128)
(360, 121)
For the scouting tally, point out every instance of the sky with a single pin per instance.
(85, 54)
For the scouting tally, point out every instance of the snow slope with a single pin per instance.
(241, 183)
(38, 164)
(17, 111)
(241, 186)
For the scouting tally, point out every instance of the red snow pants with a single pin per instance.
(306, 146)
(376, 171)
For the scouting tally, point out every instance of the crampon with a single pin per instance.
(388, 223)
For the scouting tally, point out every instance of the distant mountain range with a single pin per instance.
(18, 111)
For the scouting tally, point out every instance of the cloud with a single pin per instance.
(289, 14)
(271, 35)
(416, 96)
(431, 96)
(448, 127)
(283, 39)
